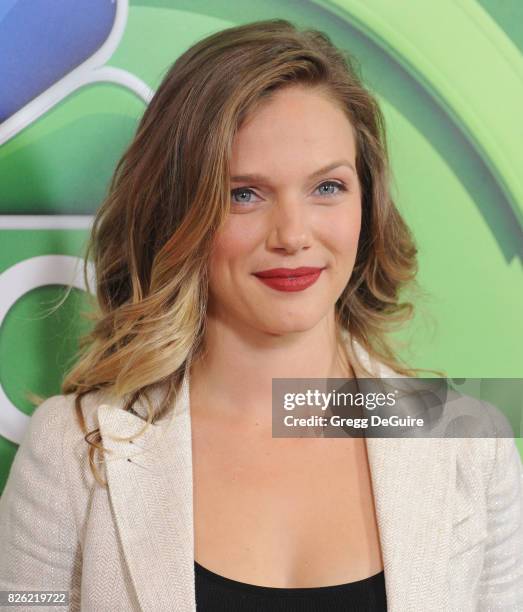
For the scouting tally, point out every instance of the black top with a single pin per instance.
(216, 593)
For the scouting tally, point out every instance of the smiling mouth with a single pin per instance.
(289, 272)
(290, 283)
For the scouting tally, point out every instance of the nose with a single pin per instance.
(289, 228)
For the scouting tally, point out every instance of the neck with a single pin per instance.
(233, 376)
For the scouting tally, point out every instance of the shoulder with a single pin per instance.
(489, 470)
(52, 460)
(56, 419)
(483, 434)
(44, 502)
(42, 441)
(53, 446)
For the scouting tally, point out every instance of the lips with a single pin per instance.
(288, 272)
(289, 279)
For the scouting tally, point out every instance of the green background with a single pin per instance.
(449, 78)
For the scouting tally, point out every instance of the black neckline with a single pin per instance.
(362, 584)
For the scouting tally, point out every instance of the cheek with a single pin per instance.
(342, 231)
(232, 243)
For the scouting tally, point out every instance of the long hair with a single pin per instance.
(151, 238)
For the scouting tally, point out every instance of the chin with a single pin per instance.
(291, 323)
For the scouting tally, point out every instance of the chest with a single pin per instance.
(283, 512)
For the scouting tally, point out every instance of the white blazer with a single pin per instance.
(449, 514)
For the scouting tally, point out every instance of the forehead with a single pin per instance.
(295, 125)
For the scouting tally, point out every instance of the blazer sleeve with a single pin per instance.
(501, 581)
(39, 548)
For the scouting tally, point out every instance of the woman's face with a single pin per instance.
(295, 202)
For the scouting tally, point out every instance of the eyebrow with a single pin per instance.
(259, 178)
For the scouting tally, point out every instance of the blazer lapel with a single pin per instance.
(413, 482)
(150, 488)
(151, 492)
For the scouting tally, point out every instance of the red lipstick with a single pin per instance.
(290, 279)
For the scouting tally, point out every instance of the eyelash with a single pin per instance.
(338, 184)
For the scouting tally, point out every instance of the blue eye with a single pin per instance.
(242, 191)
(340, 186)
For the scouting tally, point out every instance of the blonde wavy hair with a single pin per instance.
(170, 192)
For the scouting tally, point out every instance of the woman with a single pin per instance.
(248, 234)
